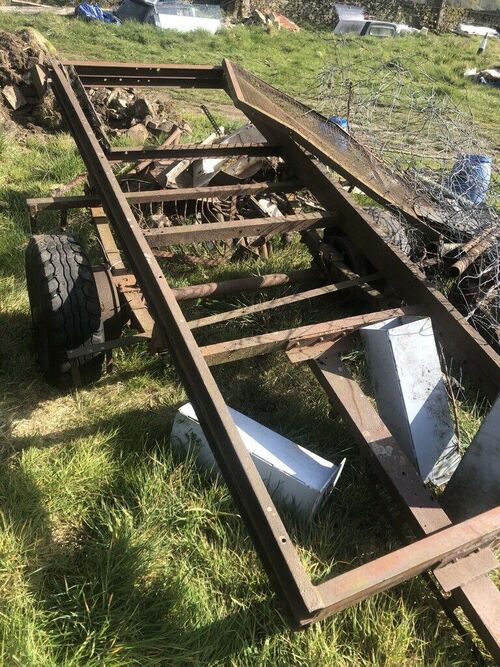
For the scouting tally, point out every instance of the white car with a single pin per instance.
(352, 20)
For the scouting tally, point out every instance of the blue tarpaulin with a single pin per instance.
(90, 12)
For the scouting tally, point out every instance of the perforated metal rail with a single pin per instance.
(335, 146)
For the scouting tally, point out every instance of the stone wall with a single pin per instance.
(321, 13)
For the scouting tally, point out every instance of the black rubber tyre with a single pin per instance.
(65, 307)
(353, 258)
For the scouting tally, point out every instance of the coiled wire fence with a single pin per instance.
(404, 118)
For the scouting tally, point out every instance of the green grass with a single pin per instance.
(288, 60)
(115, 552)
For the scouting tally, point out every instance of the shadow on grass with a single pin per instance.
(111, 599)
(102, 596)
(22, 507)
(129, 425)
(102, 588)
(106, 598)
(17, 359)
(99, 586)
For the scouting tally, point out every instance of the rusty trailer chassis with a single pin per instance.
(455, 558)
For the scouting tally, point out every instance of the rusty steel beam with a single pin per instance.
(38, 204)
(254, 346)
(106, 238)
(466, 569)
(126, 284)
(194, 151)
(480, 601)
(305, 601)
(113, 68)
(387, 571)
(375, 440)
(277, 552)
(248, 284)
(141, 81)
(278, 303)
(479, 598)
(335, 147)
(108, 74)
(89, 110)
(235, 229)
(96, 348)
(456, 336)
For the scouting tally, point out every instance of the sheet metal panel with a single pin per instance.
(475, 486)
(411, 394)
(294, 476)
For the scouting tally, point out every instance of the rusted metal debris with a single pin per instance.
(472, 250)
(456, 557)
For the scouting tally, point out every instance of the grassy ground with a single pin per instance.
(112, 550)
(288, 60)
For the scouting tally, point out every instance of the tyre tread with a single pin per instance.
(68, 299)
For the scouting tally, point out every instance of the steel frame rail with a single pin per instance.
(251, 496)
(109, 74)
(441, 542)
(192, 152)
(37, 204)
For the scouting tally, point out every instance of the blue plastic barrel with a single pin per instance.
(470, 177)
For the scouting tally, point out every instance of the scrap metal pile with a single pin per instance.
(126, 113)
(438, 150)
(289, 172)
(225, 171)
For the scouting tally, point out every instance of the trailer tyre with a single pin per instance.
(65, 307)
(353, 258)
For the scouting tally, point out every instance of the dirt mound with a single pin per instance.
(20, 53)
(26, 102)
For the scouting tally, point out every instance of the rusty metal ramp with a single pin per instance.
(329, 142)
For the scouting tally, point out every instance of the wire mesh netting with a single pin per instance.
(409, 144)
(336, 146)
(404, 117)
